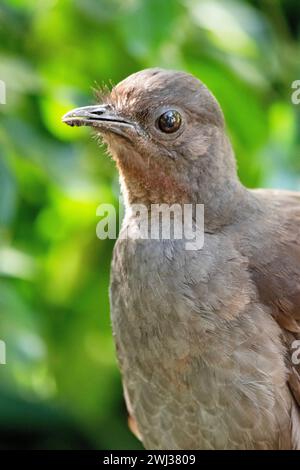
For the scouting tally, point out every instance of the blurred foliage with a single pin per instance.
(61, 386)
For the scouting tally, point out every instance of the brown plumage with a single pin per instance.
(204, 337)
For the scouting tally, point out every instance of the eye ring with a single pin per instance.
(169, 122)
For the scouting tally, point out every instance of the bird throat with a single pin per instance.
(215, 185)
(149, 184)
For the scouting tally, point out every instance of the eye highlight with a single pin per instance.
(169, 122)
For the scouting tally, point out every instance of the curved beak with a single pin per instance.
(101, 117)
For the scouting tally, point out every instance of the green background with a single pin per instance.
(61, 386)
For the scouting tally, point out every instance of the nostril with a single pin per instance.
(99, 112)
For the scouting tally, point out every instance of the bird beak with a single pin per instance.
(101, 117)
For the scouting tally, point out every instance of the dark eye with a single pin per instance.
(169, 122)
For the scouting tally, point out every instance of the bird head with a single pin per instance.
(166, 132)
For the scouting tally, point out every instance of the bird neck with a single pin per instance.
(216, 185)
(211, 180)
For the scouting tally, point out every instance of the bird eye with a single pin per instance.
(169, 122)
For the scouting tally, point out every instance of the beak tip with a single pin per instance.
(70, 119)
(65, 118)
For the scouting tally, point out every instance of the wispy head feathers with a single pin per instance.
(102, 92)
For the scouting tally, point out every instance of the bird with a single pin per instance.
(205, 338)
